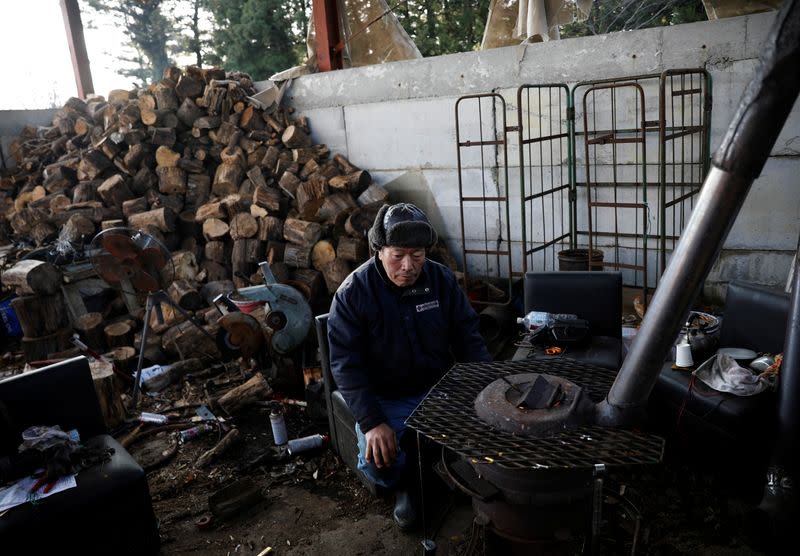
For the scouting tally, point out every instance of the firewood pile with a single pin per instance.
(193, 161)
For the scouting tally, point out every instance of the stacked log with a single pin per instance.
(221, 182)
(39, 308)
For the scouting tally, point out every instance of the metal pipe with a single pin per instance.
(779, 499)
(765, 105)
(789, 382)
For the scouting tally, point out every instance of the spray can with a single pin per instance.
(278, 423)
(297, 445)
(196, 431)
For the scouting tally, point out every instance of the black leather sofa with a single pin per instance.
(340, 419)
(724, 431)
(594, 296)
(110, 511)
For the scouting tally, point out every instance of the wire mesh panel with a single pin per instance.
(447, 415)
(615, 163)
(481, 138)
(684, 120)
(545, 172)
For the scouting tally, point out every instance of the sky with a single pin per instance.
(36, 65)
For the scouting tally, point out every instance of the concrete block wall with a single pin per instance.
(397, 120)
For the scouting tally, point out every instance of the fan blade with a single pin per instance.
(109, 268)
(120, 246)
(152, 259)
(142, 280)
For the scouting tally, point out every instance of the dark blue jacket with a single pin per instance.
(395, 342)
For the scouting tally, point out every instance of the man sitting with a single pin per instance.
(396, 325)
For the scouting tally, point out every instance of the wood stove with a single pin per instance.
(521, 441)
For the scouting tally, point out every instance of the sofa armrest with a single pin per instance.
(61, 394)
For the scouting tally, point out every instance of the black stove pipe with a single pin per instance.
(778, 499)
(764, 107)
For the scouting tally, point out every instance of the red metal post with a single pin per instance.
(77, 47)
(326, 24)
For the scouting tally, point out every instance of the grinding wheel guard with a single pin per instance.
(288, 314)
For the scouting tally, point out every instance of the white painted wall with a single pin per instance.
(397, 120)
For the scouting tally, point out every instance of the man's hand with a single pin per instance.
(381, 446)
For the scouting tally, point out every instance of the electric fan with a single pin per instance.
(137, 264)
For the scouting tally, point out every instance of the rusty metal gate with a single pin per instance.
(628, 192)
(544, 127)
(684, 150)
(615, 161)
(482, 140)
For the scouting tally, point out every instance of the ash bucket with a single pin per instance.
(578, 259)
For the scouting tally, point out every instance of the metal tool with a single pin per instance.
(288, 314)
(240, 334)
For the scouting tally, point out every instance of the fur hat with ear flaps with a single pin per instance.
(401, 225)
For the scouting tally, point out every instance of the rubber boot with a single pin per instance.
(405, 516)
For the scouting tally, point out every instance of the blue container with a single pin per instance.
(11, 325)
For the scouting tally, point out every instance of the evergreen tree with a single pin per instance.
(443, 26)
(193, 25)
(148, 30)
(259, 37)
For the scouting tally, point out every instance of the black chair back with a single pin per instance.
(755, 318)
(41, 397)
(594, 296)
(321, 324)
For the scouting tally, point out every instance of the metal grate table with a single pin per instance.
(447, 416)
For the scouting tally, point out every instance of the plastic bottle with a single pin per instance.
(154, 418)
(278, 423)
(538, 319)
(297, 445)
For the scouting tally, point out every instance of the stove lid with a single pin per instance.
(533, 404)
(448, 416)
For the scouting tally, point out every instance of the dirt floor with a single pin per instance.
(311, 504)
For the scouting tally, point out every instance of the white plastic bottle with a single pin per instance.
(537, 319)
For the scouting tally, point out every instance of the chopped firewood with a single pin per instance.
(243, 225)
(294, 137)
(255, 389)
(302, 232)
(351, 249)
(118, 334)
(222, 446)
(32, 277)
(334, 273)
(322, 253)
(90, 328)
(162, 219)
(190, 161)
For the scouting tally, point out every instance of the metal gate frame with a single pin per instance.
(501, 130)
(669, 137)
(615, 136)
(565, 189)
